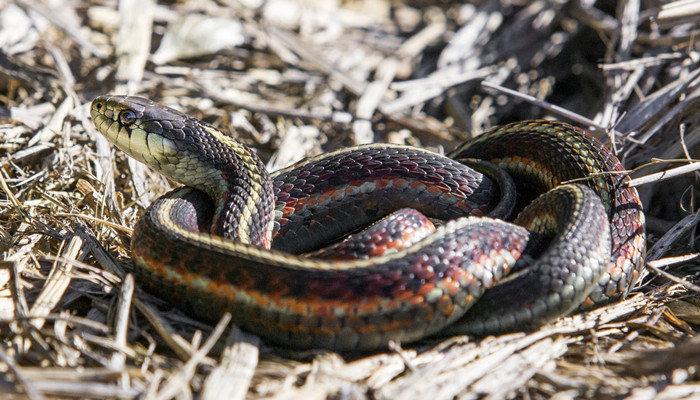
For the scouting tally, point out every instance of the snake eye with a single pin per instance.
(127, 117)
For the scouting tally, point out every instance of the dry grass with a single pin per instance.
(293, 80)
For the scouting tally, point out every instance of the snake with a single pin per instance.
(236, 238)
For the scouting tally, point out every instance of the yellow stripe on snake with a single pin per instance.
(233, 239)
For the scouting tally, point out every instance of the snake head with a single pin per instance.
(175, 144)
(136, 126)
(186, 150)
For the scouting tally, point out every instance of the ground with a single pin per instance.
(293, 79)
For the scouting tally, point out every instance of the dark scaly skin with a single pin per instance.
(350, 305)
(325, 197)
(300, 302)
(395, 232)
(540, 155)
(553, 286)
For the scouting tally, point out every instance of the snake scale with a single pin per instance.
(233, 238)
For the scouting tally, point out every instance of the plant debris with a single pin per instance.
(293, 79)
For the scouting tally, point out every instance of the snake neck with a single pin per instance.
(244, 206)
(235, 178)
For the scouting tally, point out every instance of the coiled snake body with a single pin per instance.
(230, 239)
